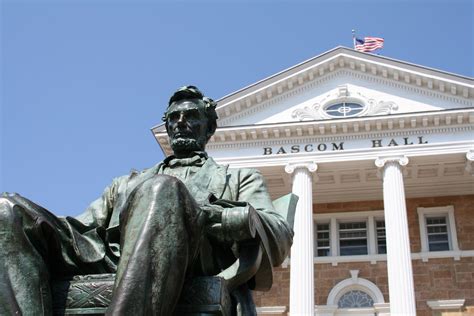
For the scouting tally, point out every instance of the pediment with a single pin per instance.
(374, 92)
(380, 86)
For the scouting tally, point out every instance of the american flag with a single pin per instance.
(368, 44)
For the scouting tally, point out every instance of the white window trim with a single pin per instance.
(332, 218)
(271, 310)
(353, 283)
(446, 304)
(373, 259)
(452, 234)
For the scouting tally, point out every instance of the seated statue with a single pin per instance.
(154, 229)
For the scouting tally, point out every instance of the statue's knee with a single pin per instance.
(161, 181)
(6, 210)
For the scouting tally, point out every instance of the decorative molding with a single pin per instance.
(446, 304)
(347, 215)
(304, 81)
(310, 166)
(373, 259)
(354, 283)
(325, 310)
(336, 130)
(470, 162)
(381, 161)
(341, 94)
(270, 310)
(452, 233)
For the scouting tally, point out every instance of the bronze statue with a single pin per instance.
(153, 228)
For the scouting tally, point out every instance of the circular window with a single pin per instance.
(344, 109)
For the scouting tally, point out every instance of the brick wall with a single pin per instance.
(437, 279)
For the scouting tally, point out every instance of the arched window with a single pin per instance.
(355, 298)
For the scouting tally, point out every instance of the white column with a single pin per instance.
(470, 162)
(399, 265)
(302, 251)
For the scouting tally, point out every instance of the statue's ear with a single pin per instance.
(211, 128)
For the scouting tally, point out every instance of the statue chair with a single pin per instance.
(208, 295)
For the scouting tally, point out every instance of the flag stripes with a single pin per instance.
(368, 44)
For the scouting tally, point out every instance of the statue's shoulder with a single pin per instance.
(243, 172)
(135, 174)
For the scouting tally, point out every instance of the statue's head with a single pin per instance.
(190, 120)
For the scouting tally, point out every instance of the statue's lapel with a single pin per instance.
(210, 179)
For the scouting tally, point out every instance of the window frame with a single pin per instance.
(342, 103)
(353, 221)
(370, 217)
(316, 247)
(448, 212)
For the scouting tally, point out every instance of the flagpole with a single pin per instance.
(353, 38)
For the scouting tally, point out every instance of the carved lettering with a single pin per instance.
(392, 143)
(376, 143)
(421, 141)
(339, 146)
(322, 147)
(405, 139)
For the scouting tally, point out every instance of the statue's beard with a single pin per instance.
(187, 145)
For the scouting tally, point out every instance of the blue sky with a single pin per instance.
(82, 82)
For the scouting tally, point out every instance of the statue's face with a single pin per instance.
(187, 126)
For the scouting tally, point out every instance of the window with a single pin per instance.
(353, 238)
(346, 234)
(344, 109)
(437, 229)
(355, 298)
(381, 240)
(353, 293)
(323, 248)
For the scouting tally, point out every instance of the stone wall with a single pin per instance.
(436, 279)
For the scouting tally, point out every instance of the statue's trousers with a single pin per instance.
(160, 228)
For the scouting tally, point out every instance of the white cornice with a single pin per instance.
(237, 137)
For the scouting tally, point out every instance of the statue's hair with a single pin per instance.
(192, 92)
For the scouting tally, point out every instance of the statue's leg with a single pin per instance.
(35, 246)
(24, 276)
(161, 230)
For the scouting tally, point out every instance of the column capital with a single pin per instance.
(470, 162)
(311, 166)
(470, 155)
(381, 161)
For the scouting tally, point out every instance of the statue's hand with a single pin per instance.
(213, 213)
(230, 221)
(214, 222)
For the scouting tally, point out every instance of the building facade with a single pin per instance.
(380, 153)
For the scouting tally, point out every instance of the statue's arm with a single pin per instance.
(253, 190)
(233, 219)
